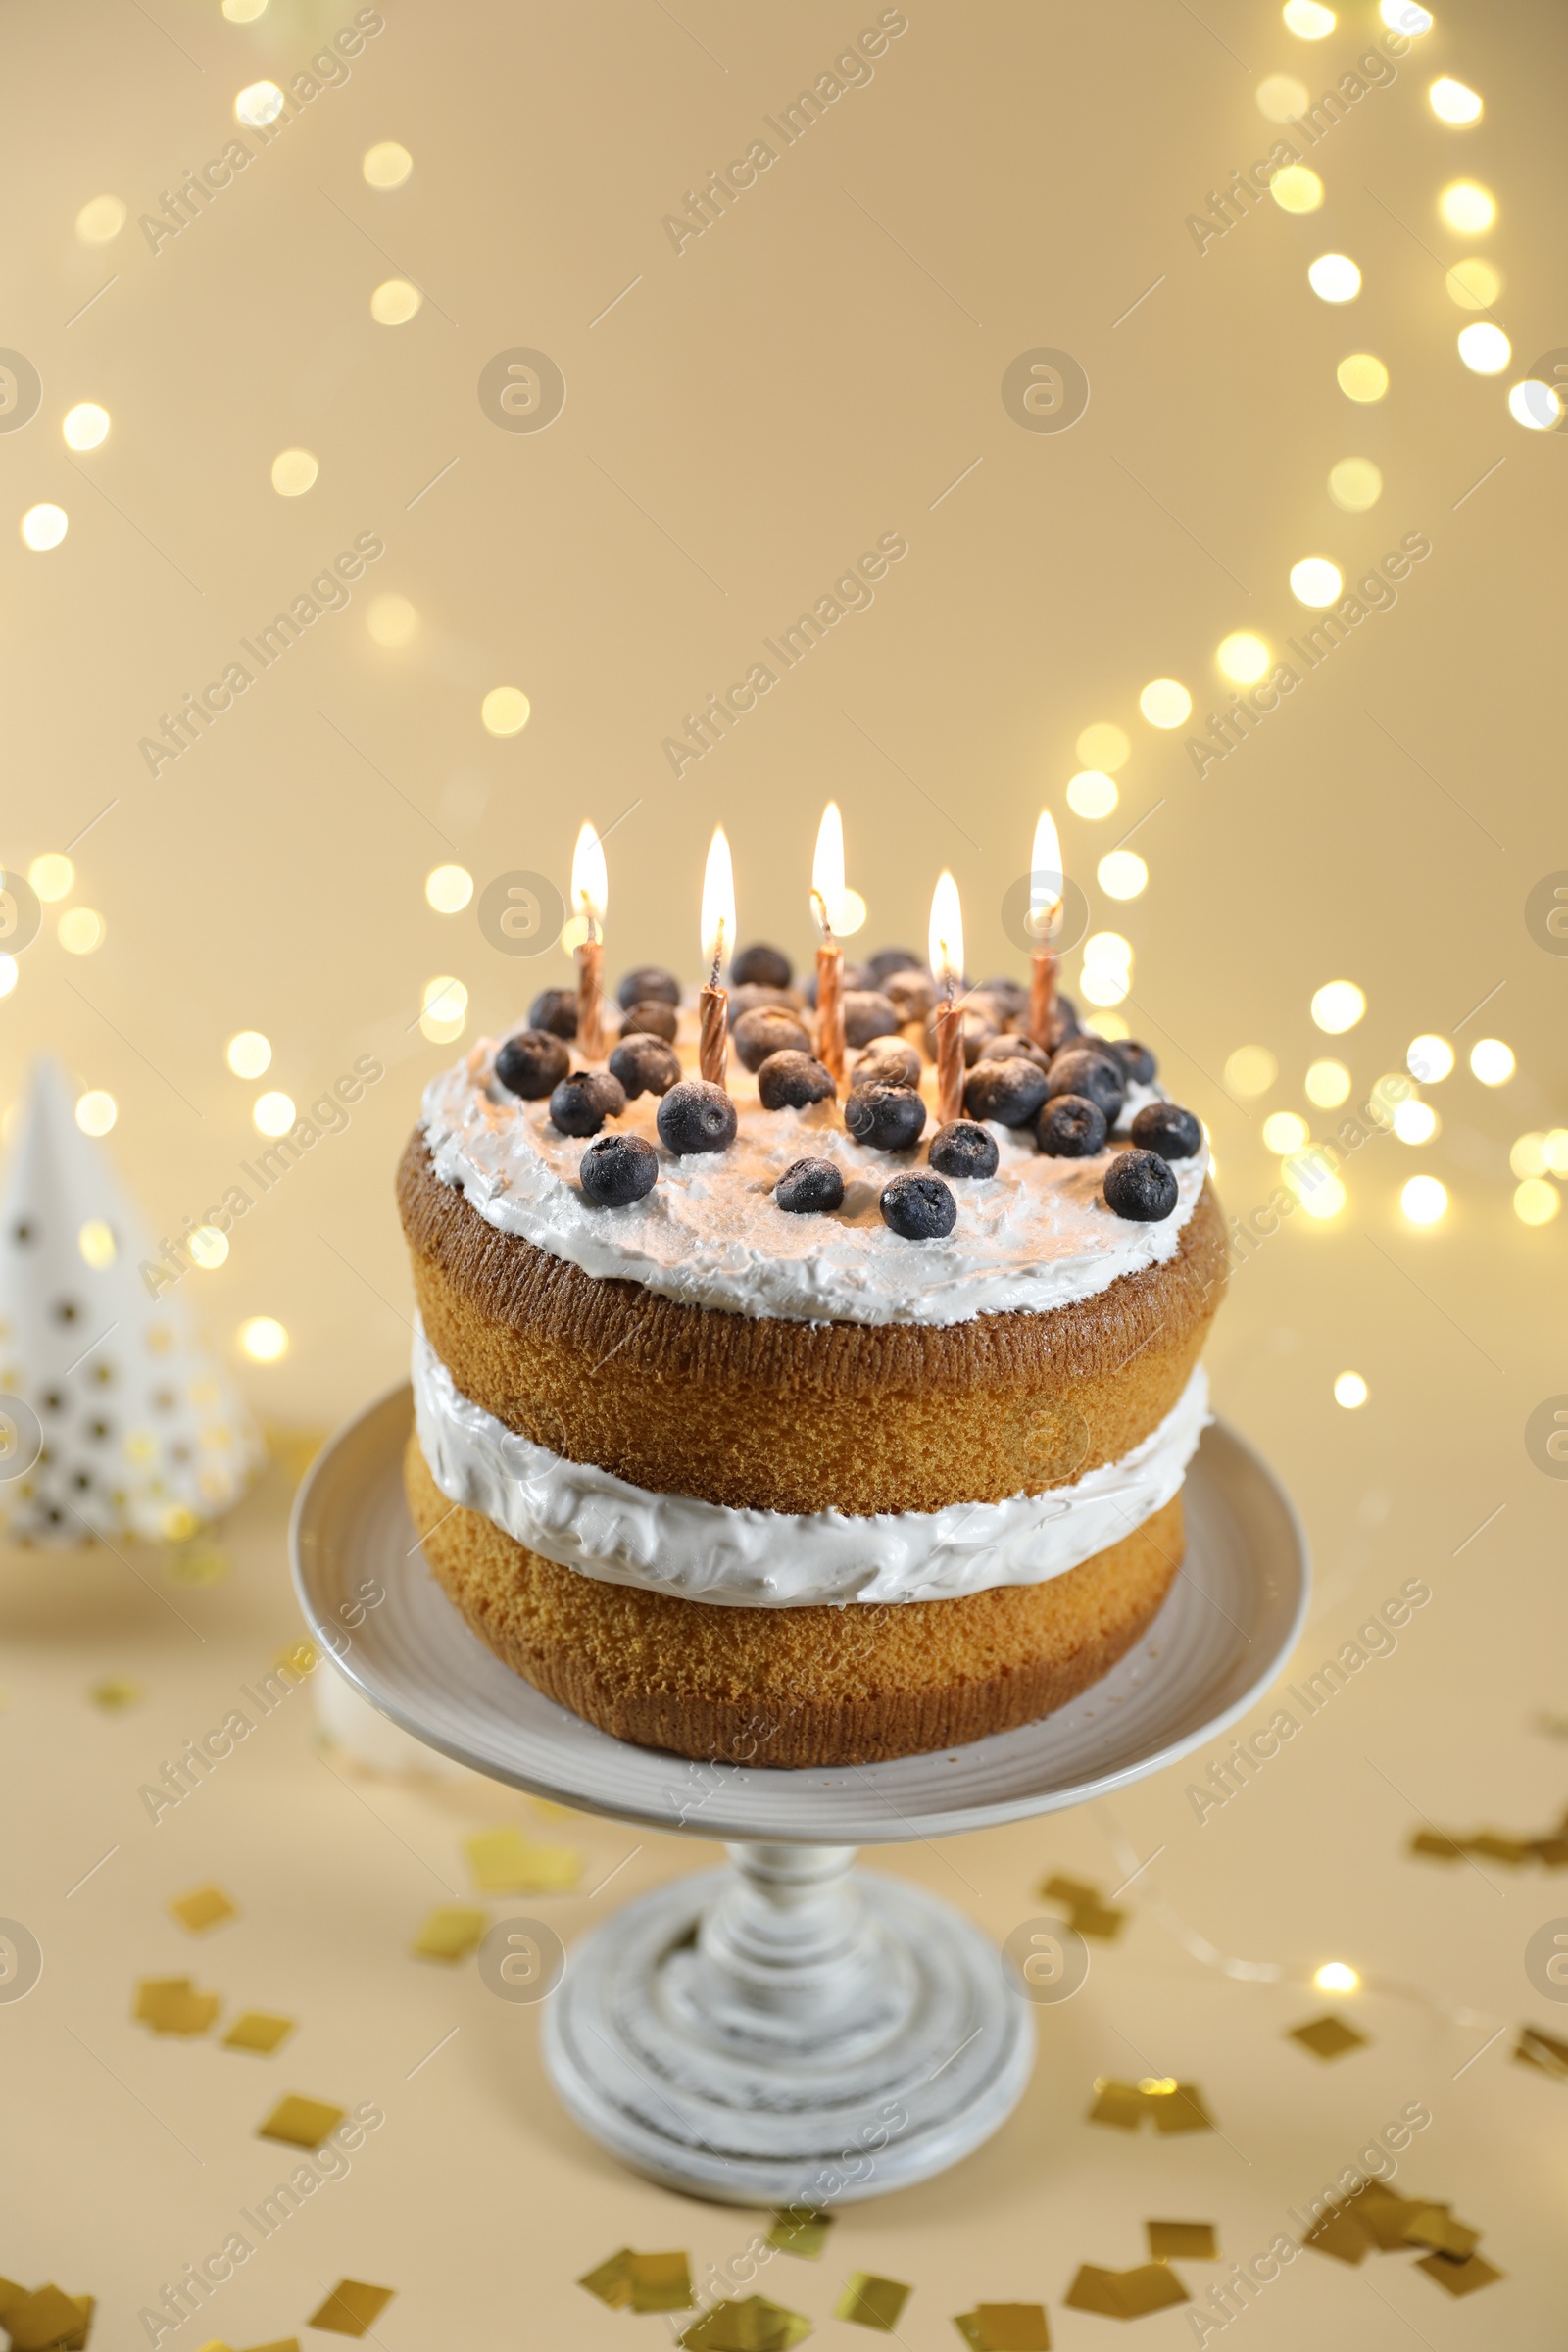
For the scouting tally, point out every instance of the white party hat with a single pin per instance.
(113, 1419)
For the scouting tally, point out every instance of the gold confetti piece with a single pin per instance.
(753, 2326)
(506, 1862)
(800, 2230)
(1461, 2277)
(1553, 1851)
(1126, 2294)
(1004, 2328)
(1178, 2107)
(352, 2307)
(659, 2282)
(1535, 2048)
(1341, 2235)
(172, 2005)
(1435, 1847)
(1499, 1846)
(612, 2280)
(203, 1908)
(214, 2344)
(1435, 2225)
(257, 2029)
(47, 2318)
(450, 1934)
(114, 1695)
(1183, 2241)
(304, 2124)
(1327, 2037)
(1095, 2289)
(1091, 1914)
(871, 2302)
(284, 2343)
(10, 2292)
(1118, 2103)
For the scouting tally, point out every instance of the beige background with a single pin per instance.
(818, 369)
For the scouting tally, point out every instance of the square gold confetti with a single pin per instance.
(753, 2326)
(611, 2281)
(203, 1908)
(871, 2302)
(304, 2124)
(77, 2341)
(1435, 2227)
(10, 2292)
(1091, 1914)
(1182, 2242)
(1004, 2328)
(1497, 1846)
(1177, 2107)
(284, 2343)
(215, 2344)
(1382, 2214)
(1535, 2048)
(1553, 1851)
(114, 1695)
(1126, 2294)
(45, 2319)
(506, 1862)
(1327, 2038)
(450, 1934)
(257, 2029)
(1435, 1847)
(1339, 2233)
(352, 2307)
(172, 2005)
(1095, 2289)
(800, 2230)
(1461, 2277)
(1120, 2104)
(659, 2282)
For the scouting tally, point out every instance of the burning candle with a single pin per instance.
(590, 896)
(946, 949)
(827, 894)
(1044, 899)
(719, 943)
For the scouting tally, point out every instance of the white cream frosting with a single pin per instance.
(1037, 1235)
(585, 1518)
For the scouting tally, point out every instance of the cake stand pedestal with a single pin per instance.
(791, 2030)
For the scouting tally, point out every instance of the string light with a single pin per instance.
(1336, 1976)
(1092, 793)
(1280, 96)
(294, 471)
(1166, 703)
(1250, 1071)
(1429, 1059)
(1122, 874)
(258, 104)
(1352, 1392)
(273, 1113)
(1104, 746)
(248, 1054)
(1484, 348)
(1285, 1132)
(96, 1111)
(449, 888)
(387, 165)
(1296, 189)
(82, 930)
(43, 527)
(1337, 1006)
(1453, 102)
(262, 1339)
(1535, 404)
(395, 302)
(1491, 1062)
(52, 876)
(208, 1248)
(1334, 278)
(1535, 1201)
(100, 220)
(1356, 485)
(1315, 581)
(1415, 1122)
(1243, 658)
(505, 710)
(1474, 284)
(391, 619)
(96, 1242)
(1361, 376)
(1468, 206)
(1327, 1084)
(1307, 20)
(1424, 1201)
(85, 425)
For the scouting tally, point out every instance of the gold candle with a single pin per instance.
(946, 968)
(827, 894)
(719, 941)
(590, 896)
(1046, 883)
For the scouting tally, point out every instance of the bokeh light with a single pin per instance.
(1166, 703)
(1453, 101)
(1335, 1976)
(1285, 1132)
(96, 1242)
(445, 1006)
(449, 888)
(1535, 1201)
(1092, 793)
(1429, 1058)
(387, 165)
(1526, 1156)
(395, 302)
(1122, 874)
(1295, 190)
(1244, 658)
(1334, 278)
(82, 930)
(262, 1339)
(1404, 16)
(1468, 207)
(1250, 1071)
(391, 619)
(208, 1248)
(258, 104)
(294, 471)
(1491, 1062)
(1424, 1201)
(1415, 1122)
(273, 1113)
(1315, 581)
(96, 1111)
(1308, 19)
(248, 1054)
(244, 11)
(1280, 96)
(1337, 1006)
(1350, 1391)
(1356, 485)
(1484, 348)
(1104, 746)
(1327, 1084)
(43, 527)
(1535, 404)
(52, 876)
(505, 710)
(8, 976)
(1361, 376)
(100, 220)
(85, 425)
(1474, 284)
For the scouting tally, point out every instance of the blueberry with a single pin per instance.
(911, 995)
(919, 1207)
(885, 1118)
(555, 1010)
(531, 1062)
(645, 1066)
(767, 1029)
(1071, 1127)
(1010, 1091)
(648, 984)
(1016, 1049)
(651, 1017)
(768, 965)
(1136, 1060)
(808, 1187)
(890, 1061)
(963, 1149)
(1079, 1070)
(618, 1170)
(582, 1102)
(1010, 995)
(1165, 1128)
(1139, 1185)
(888, 961)
(696, 1117)
(789, 1080)
(979, 1028)
(867, 1014)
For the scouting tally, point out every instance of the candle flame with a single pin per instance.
(827, 870)
(1046, 879)
(590, 878)
(718, 902)
(947, 930)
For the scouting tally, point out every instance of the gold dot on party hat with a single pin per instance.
(1350, 1391)
(262, 1339)
(1356, 485)
(294, 471)
(248, 1054)
(96, 1242)
(1334, 278)
(273, 1113)
(1295, 190)
(395, 302)
(1361, 376)
(387, 165)
(391, 621)
(96, 1111)
(1468, 206)
(1453, 102)
(1315, 581)
(1337, 1006)
(1243, 657)
(82, 930)
(1250, 1071)
(1474, 284)
(505, 710)
(1280, 96)
(85, 425)
(52, 876)
(1092, 793)
(1104, 746)
(100, 220)
(449, 888)
(1484, 348)
(44, 526)
(1166, 703)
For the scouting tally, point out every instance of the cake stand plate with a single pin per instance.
(790, 2030)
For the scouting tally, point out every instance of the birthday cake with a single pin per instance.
(778, 1421)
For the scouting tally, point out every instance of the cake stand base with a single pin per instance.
(788, 2032)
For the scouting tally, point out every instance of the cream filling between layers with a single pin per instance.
(585, 1518)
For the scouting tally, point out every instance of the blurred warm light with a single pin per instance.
(1429, 1058)
(449, 888)
(1166, 703)
(258, 104)
(446, 1006)
(1491, 1062)
(1424, 1201)
(1243, 658)
(1307, 20)
(248, 1054)
(208, 1248)
(1280, 96)
(1453, 102)
(1327, 1084)
(1316, 581)
(1335, 1976)
(1535, 404)
(293, 473)
(1356, 485)
(505, 710)
(96, 1111)
(1285, 1132)
(1403, 15)
(1337, 1006)
(1361, 376)
(1415, 1122)
(1109, 947)
(100, 220)
(1122, 874)
(1528, 1154)
(1046, 872)
(1250, 1071)
(273, 1113)
(1484, 348)
(1112, 1025)
(1474, 284)
(85, 425)
(82, 930)
(262, 1339)
(387, 165)
(1535, 1201)
(1321, 1195)
(1334, 278)
(43, 527)
(52, 876)
(1104, 746)
(590, 873)
(1092, 793)
(946, 939)
(395, 302)
(1295, 190)
(96, 1242)
(853, 911)
(1556, 1149)
(1104, 983)
(1468, 206)
(8, 974)
(244, 11)
(391, 619)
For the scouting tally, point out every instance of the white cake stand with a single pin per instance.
(789, 2029)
